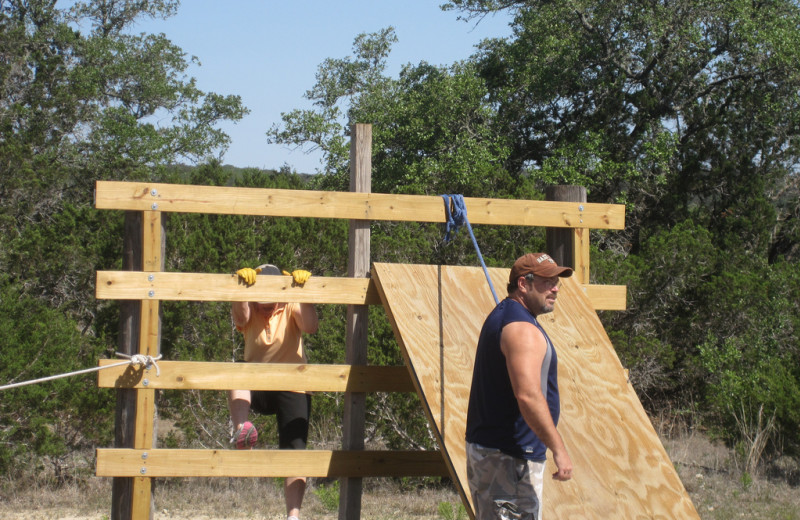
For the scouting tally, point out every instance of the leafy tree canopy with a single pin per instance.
(679, 108)
(431, 127)
(80, 98)
(81, 94)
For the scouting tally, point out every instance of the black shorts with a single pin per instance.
(292, 410)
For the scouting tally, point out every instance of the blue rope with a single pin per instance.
(457, 218)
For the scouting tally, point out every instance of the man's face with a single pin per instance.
(541, 294)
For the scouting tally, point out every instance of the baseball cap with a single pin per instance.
(268, 269)
(540, 264)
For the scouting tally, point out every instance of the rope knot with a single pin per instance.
(456, 212)
(144, 360)
(457, 217)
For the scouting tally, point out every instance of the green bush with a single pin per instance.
(328, 495)
(50, 418)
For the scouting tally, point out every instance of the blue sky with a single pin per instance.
(268, 52)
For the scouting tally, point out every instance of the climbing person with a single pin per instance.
(513, 403)
(273, 334)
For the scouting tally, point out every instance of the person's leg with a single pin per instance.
(534, 479)
(294, 489)
(245, 434)
(293, 412)
(501, 485)
(239, 406)
(479, 479)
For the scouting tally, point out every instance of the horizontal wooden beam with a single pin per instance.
(113, 462)
(196, 375)
(138, 285)
(184, 198)
(607, 297)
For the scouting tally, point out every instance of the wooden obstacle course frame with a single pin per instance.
(152, 284)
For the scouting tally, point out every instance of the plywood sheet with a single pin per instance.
(621, 467)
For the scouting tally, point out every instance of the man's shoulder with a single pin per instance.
(522, 335)
(511, 311)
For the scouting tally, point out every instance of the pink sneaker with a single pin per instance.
(245, 437)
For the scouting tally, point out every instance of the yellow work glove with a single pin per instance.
(300, 276)
(248, 274)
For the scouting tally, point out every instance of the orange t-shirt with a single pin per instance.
(275, 338)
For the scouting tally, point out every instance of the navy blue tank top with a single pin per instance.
(493, 417)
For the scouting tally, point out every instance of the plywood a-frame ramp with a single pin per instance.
(621, 468)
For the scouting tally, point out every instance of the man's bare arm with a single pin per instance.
(524, 347)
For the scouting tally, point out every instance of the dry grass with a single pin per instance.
(721, 491)
(709, 471)
(205, 499)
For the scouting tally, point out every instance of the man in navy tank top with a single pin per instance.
(513, 403)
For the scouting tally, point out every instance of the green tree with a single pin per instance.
(79, 98)
(432, 130)
(80, 94)
(339, 81)
(647, 102)
(51, 418)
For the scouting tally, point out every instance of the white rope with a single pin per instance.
(136, 359)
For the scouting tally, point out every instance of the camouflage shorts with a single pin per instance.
(504, 487)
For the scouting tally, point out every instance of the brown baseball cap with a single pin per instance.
(540, 264)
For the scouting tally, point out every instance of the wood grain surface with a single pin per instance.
(267, 463)
(621, 467)
(184, 198)
(187, 375)
(138, 285)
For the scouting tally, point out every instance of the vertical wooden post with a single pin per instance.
(569, 246)
(124, 422)
(140, 332)
(357, 317)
